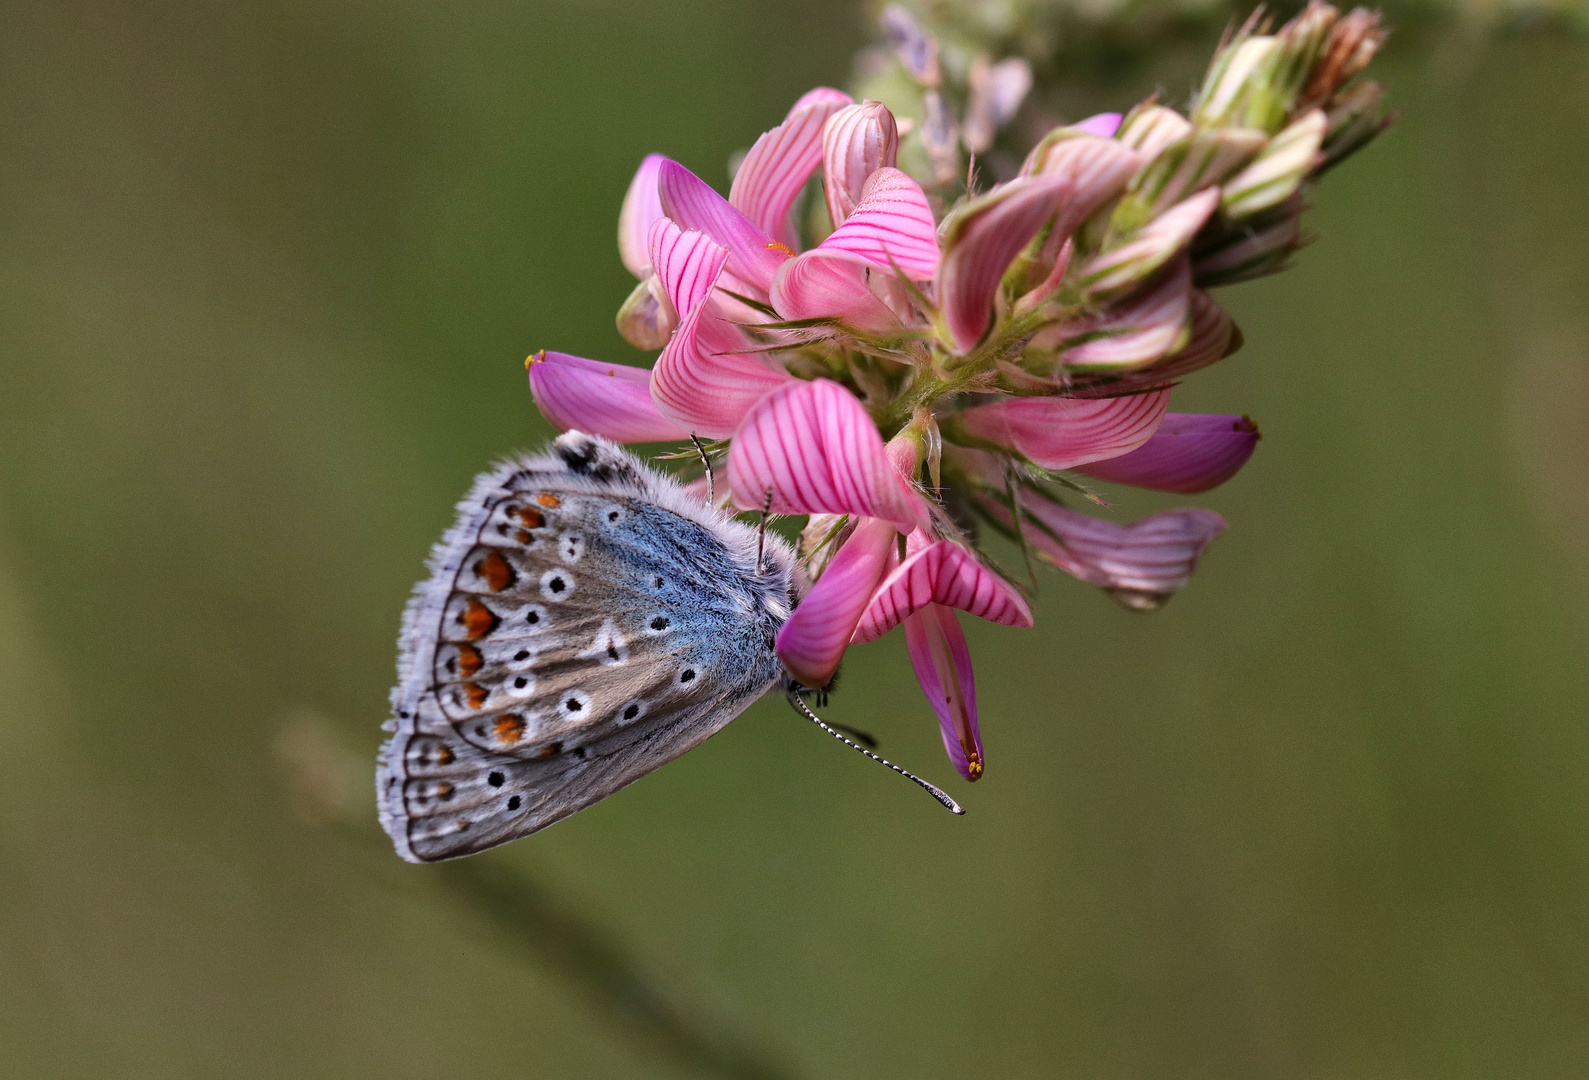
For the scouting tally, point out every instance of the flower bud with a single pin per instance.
(940, 135)
(1277, 172)
(823, 535)
(856, 142)
(1205, 156)
(646, 319)
(917, 50)
(1244, 61)
(996, 93)
(1250, 249)
(1351, 44)
(1118, 269)
(1149, 128)
(1355, 119)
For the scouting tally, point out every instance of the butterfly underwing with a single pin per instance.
(586, 621)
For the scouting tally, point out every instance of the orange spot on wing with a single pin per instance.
(475, 694)
(469, 660)
(494, 570)
(532, 517)
(478, 620)
(509, 728)
(443, 756)
(524, 536)
(551, 749)
(549, 500)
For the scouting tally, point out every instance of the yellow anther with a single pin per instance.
(534, 358)
(777, 246)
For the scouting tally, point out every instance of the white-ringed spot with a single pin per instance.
(571, 546)
(630, 711)
(574, 704)
(557, 585)
(657, 624)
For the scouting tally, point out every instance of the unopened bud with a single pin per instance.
(1149, 128)
(1204, 157)
(1257, 80)
(856, 142)
(1277, 172)
(996, 93)
(1250, 249)
(941, 138)
(1226, 89)
(1355, 119)
(646, 319)
(1352, 43)
(917, 50)
(1118, 269)
(823, 535)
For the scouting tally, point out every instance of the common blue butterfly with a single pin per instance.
(586, 621)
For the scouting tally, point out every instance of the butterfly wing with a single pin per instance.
(586, 621)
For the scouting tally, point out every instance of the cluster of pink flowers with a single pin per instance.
(915, 368)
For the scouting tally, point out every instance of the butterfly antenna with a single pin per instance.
(932, 789)
(761, 532)
(706, 463)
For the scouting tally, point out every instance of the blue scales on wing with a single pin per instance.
(586, 621)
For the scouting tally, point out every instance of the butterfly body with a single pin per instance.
(586, 621)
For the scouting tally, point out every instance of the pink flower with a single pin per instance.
(986, 349)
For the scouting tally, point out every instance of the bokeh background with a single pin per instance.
(268, 273)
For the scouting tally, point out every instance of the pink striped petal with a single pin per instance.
(1125, 266)
(706, 380)
(813, 641)
(1138, 332)
(602, 399)
(980, 241)
(814, 447)
(825, 284)
(1062, 433)
(1141, 565)
(641, 206)
(856, 142)
(1103, 124)
(892, 226)
(1213, 337)
(781, 162)
(941, 573)
(942, 660)
(1189, 453)
(687, 262)
(753, 256)
(1099, 167)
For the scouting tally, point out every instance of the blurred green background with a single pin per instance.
(268, 272)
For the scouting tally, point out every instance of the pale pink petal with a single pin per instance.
(1062, 433)
(1150, 247)
(1213, 337)
(641, 206)
(602, 399)
(1099, 167)
(1103, 124)
(753, 256)
(892, 226)
(980, 241)
(1189, 453)
(1141, 565)
(687, 262)
(781, 162)
(815, 449)
(824, 284)
(813, 641)
(1140, 331)
(942, 660)
(941, 573)
(856, 142)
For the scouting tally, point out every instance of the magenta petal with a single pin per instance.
(1141, 564)
(979, 244)
(641, 206)
(942, 660)
(688, 264)
(813, 447)
(856, 142)
(1062, 433)
(942, 573)
(892, 226)
(753, 256)
(813, 641)
(822, 284)
(603, 399)
(1189, 453)
(707, 378)
(780, 163)
(1213, 337)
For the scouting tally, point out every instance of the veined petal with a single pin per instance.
(1099, 167)
(1125, 266)
(1213, 337)
(1189, 453)
(1141, 565)
(942, 660)
(831, 284)
(856, 142)
(780, 163)
(603, 399)
(753, 256)
(1145, 328)
(941, 573)
(813, 641)
(707, 378)
(814, 448)
(980, 240)
(890, 227)
(1062, 433)
(641, 206)
(687, 262)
